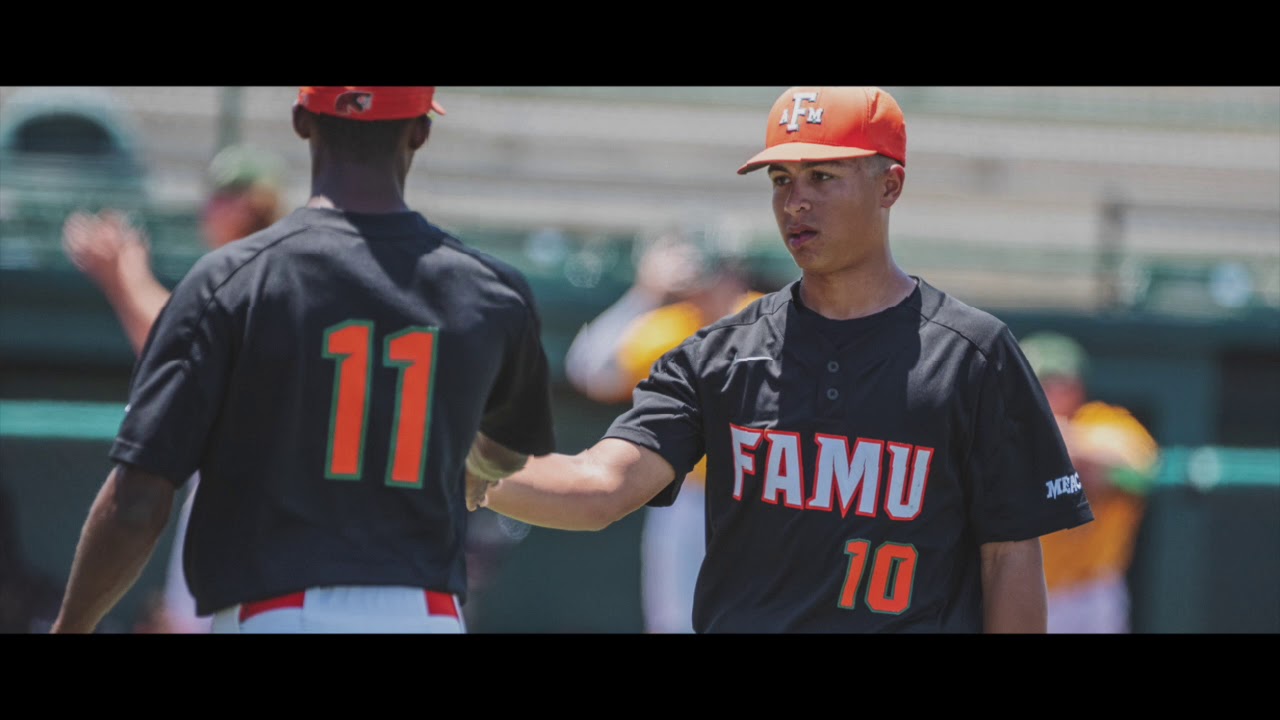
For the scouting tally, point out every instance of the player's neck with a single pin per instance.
(856, 292)
(358, 189)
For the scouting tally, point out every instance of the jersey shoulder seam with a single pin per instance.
(985, 355)
(759, 314)
(976, 345)
(506, 273)
(213, 294)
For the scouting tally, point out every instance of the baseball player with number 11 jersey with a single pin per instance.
(334, 378)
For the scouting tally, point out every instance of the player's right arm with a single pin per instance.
(125, 523)
(174, 400)
(587, 491)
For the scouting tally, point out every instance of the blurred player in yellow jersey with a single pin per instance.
(1086, 567)
(682, 284)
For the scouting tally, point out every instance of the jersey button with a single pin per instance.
(833, 366)
(832, 393)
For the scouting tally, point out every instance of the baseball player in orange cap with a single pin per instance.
(332, 378)
(877, 452)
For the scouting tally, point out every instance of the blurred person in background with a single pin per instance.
(681, 285)
(1086, 567)
(243, 196)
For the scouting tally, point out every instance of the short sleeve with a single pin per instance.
(518, 412)
(666, 417)
(1021, 479)
(178, 382)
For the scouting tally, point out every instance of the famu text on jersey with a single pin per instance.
(841, 479)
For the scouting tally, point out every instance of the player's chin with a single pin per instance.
(808, 260)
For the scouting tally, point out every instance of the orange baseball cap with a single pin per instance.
(832, 123)
(370, 103)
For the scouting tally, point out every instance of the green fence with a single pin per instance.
(1206, 554)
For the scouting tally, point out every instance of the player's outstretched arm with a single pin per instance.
(1014, 596)
(587, 491)
(125, 522)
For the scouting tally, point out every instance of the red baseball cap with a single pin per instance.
(832, 123)
(370, 103)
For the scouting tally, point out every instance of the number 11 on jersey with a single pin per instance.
(413, 352)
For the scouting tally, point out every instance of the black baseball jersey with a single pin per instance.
(327, 377)
(855, 467)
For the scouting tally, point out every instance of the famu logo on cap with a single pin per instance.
(792, 119)
(815, 124)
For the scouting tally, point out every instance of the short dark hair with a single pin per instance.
(878, 164)
(360, 138)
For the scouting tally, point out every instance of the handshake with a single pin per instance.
(487, 463)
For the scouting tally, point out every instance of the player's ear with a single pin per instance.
(419, 131)
(891, 182)
(302, 122)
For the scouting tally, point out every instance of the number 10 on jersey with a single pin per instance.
(413, 352)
